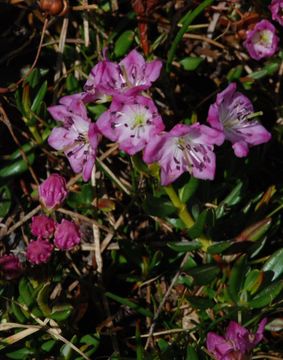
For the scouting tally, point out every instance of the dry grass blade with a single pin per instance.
(18, 336)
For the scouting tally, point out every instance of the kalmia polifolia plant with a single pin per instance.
(222, 286)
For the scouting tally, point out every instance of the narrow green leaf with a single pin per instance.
(123, 43)
(204, 274)
(266, 296)
(200, 302)
(158, 206)
(191, 63)
(191, 353)
(236, 278)
(21, 354)
(61, 312)
(219, 247)
(131, 304)
(16, 168)
(17, 312)
(36, 105)
(25, 291)
(275, 264)
(48, 345)
(187, 20)
(188, 190)
(198, 228)
(253, 281)
(42, 300)
(183, 246)
(5, 200)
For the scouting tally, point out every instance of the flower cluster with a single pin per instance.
(133, 121)
(65, 235)
(10, 267)
(236, 343)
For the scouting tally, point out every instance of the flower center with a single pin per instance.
(264, 38)
(139, 120)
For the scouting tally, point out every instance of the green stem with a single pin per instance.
(187, 20)
(184, 214)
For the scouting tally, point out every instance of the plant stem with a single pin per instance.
(184, 214)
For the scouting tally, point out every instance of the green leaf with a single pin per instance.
(61, 312)
(96, 109)
(237, 277)
(275, 264)
(123, 43)
(275, 325)
(36, 105)
(188, 190)
(17, 168)
(269, 69)
(191, 353)
(42, 300)
(66, 350)
(198, 228)
(219, 247)
(83, 198)
(25, 291)
(204, 274)
(186, 21)
(235, 73)
(20, 354)
(5, 200)
(233, 198)
(17, 312)
(183, 246)
(191, 63)
(131, 304)
(255, 231)
(72, 83)
(200, 302)
(158, 206)
(48, 345)
(17, 154)
(93, 340)
(34, 78)
(266, 296)
(253, 281)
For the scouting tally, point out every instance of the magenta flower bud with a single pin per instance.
(237, 342)
(262, 41)
(42, 226)
(53, 191)
(276, 8)
(10, 267)
(67, 235)
(39, 251)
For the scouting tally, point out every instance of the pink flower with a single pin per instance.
(77, 136)
(262, 41)
(42, 226)
(132, 75)
(10, 267)
(39, 251)
(236, 343)
(131, 122)
(276, 8)
(67, 235)
(53, 191)
(233, 113)
(184, 148)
